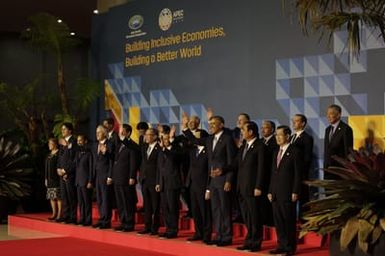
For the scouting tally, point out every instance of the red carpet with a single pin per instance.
(65, 246)
(143, 243)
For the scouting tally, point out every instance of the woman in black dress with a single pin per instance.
(52, 179)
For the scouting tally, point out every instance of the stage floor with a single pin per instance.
(52, 236)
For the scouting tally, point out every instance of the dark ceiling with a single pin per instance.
(76, 14)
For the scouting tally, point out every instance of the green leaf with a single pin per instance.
(349, 232)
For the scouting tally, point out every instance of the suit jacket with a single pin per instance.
(304, 143)
(84, 167)
(148, 167)
(221, 157)
(251, 169)
(113, 142)
(197, 176)
(102, 163)
(339, 145)
(126, 163)
(66, 158)
(286, 179)
(270, 148)
(168, 169)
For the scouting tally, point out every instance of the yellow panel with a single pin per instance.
(134, 119)
(111, 102)
(368, 129)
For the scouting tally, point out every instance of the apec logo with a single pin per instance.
(135, 22)
(167, 17)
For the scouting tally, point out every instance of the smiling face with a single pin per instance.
(150, 136)
(215, 126)
(281, 137)
(65, 132)
(298, 124)
(333, 115)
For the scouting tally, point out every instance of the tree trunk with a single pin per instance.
(62, 88)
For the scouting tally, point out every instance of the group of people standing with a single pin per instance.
(226, 171)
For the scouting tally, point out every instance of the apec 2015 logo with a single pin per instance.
(167, 17)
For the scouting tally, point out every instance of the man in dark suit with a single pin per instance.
(284, 191)
(267, 132)
(147, 178)
(169, 183)
(197, 182)
(141, 127)
(112, 136)
(251, 178)
(221, 150)
(103, 160)
(66, 169)
(304, 142)
(338, 139)
(84, 173)
(123, 178)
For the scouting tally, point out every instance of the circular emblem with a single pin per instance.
(165, 19)
(135, 22)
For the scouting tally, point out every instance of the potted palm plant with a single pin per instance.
(14, 176)
(353, 209)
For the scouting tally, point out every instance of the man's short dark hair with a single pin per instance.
(83, 136)
(153, 130)
(127, 128)
(303, 118)
(252, 126)
(110, 121)
(166, 129)
(272, 124)
(142, 126)
(286, 129)
(219, 118)
(336, 107)
(245, 115)
(69, 126)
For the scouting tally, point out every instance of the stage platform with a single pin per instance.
(178, 246)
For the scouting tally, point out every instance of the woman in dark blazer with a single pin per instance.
(52, 179)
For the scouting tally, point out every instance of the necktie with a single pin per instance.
(279, 156)
(331, 133)
(245, 151)
(294, 138)
(215, 140)
(264, 141)
(197, 152)
(148, 152)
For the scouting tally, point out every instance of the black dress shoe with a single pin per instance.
(87, 224)
(206, 241)
(119, 228)
(171, 235)
(243, 247)
(61, 220)
(290, 253)
(194, 238)
(126, 229)
(52, 218)
(71, 221)
(105, 226)
(212, 242)
(145, 231)
(96, 225)
(277, 251)
(154, 233)
(162, 234)
(255, 249)
(224, 243)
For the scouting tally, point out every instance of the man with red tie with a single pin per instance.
(284, 191)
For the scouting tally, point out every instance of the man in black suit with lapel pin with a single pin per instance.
(284, 191)
(338, 139)
(67, 170)
(268, 139)
(112, 136)
(169, 184)
(196, 180)
(84, 173)
(103, 160)
(304, 142)
(147, 177)
(251, 178)
(123, 178)
(221, 150)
